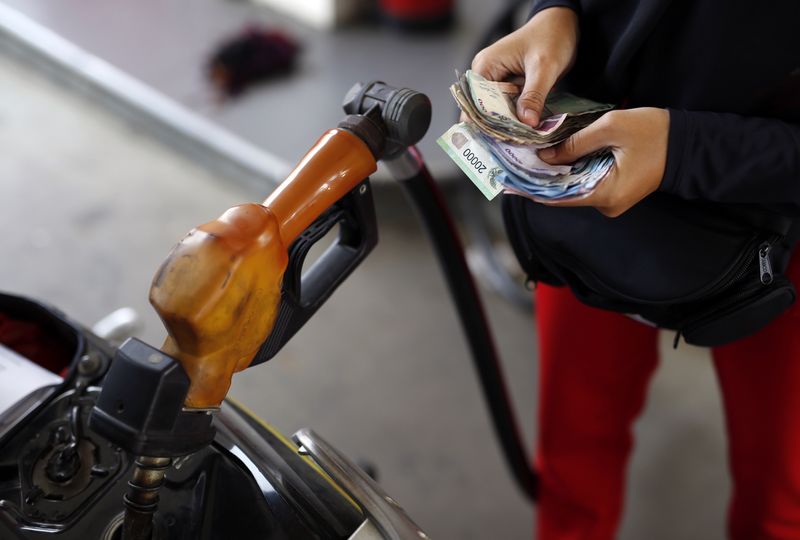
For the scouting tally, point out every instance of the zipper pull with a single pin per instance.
(764, 264)
(677, 340)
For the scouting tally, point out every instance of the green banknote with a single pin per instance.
(471, 155)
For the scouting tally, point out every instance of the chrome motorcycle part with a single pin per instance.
(118, 325)
(387, 515)
(90, 365)
(261, 451)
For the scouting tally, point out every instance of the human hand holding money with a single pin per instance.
(541, 52)
(497, 151)
(545, 145)
(638, 140)
(491, 106)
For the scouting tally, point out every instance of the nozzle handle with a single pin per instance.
(302, 294)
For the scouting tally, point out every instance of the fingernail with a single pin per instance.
(547, 153)
(530, 116)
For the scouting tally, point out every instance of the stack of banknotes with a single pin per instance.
(500, 153)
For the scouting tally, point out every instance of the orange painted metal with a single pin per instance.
(218, 291)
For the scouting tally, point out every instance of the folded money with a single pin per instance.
(492, 170)
(497, 151)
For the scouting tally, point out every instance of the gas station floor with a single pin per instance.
(89, 208)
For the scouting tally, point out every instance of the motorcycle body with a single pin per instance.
(250, 482)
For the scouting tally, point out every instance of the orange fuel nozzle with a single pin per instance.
(218, 292)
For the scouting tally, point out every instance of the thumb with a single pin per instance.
(530, 102)
(579, 144)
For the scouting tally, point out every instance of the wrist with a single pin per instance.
(678, 137)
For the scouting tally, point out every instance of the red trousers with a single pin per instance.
(595, 367)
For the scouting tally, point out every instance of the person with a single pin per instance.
(708, 96)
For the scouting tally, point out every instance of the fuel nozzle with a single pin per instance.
(403, 114)
(219, 291)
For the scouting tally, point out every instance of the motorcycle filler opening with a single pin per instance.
(232, 293)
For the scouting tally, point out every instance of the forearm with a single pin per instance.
(729, 158)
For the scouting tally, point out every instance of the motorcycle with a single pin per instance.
(141, 443)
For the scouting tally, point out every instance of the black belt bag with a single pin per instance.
(714, 273)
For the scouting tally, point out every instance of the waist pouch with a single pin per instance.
(714, 273)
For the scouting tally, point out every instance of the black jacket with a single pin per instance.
(729, 73)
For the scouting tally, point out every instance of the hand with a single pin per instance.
(638, 140)
(541, 51)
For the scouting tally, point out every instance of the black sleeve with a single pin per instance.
(729, 158)
(539, 5)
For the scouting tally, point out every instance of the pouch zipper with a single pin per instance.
(766, 277)
(764, 264)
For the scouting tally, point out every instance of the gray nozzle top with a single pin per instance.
(406, 114)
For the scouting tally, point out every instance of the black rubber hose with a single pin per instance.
(429, 203)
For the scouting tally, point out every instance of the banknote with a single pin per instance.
(523, 158)
(462, 144)
(492, 105)
(497, 101)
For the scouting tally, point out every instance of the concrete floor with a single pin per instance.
(182, 33)
(90, 207)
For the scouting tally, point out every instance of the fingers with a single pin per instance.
(486, 64)
(538, 83)
(604, 198)
(508, 59)
(590, 139)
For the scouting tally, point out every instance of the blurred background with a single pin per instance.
(123, 124)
